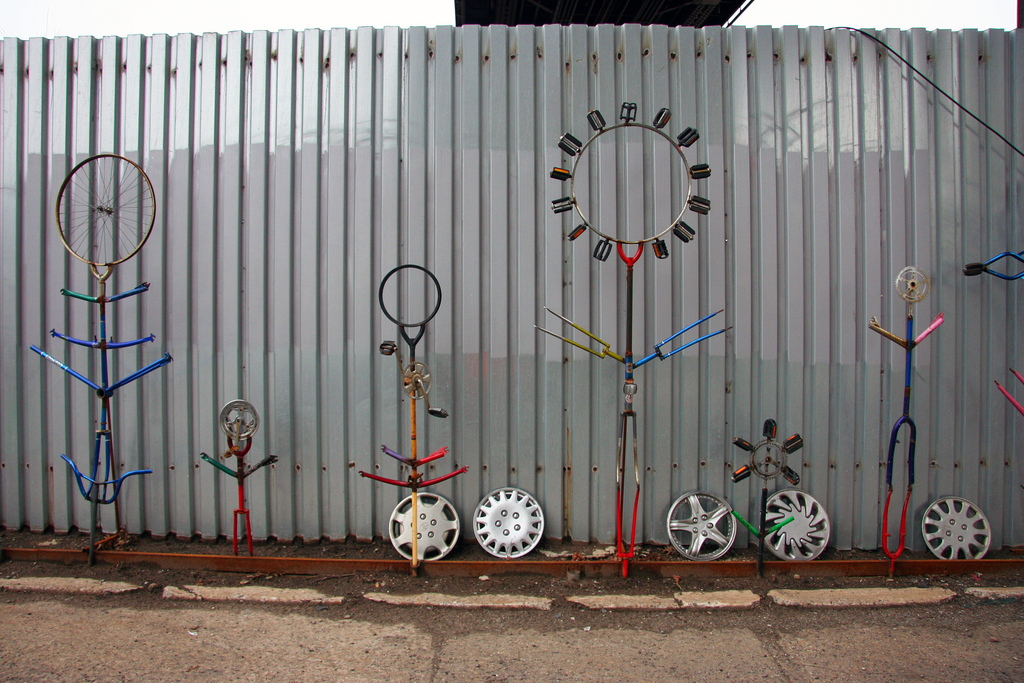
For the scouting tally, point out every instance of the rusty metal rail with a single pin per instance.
(474, 568)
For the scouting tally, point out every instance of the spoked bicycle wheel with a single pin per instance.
(105, 210)
(700, 526)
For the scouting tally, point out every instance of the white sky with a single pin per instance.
(48, 18)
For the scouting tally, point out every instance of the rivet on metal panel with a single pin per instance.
(647, 53)
(672, 55)
(703, 463)
(649, 469)
(351, 465)
(484, 468)
(675, 466)
(595, 468)
(513, 56)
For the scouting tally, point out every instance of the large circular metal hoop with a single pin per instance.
(387, 313)
(579, 157)
(913, 284)
(956, 529)
(105, 210)
(508, 523)
(239, 419)
(807, 535)
(437, 528)
(701, 526)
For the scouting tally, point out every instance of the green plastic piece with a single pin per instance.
(771, 530)
(83, 297)
(227, 470)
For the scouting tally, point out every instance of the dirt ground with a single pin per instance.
(142, 636)
(399, 583)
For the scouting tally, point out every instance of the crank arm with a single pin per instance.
(431, 482)
(873, 324)
(401, 458)
(269, 460)
(606, 351)
(393, 482)
(220, 466)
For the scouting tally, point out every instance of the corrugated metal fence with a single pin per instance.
(294, 169)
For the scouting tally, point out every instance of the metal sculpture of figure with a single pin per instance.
(767, 466)
(429, 526)
(627, 419)
(105, 212)
(912, 284)
(979, 268)
(239, 421)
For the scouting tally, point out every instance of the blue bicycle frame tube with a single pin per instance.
(95, 343)
(66, 369)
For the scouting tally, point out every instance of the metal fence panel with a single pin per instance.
(293, 170)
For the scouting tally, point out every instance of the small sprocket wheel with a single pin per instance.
(239, 419)
(417, 380)
(913, 284)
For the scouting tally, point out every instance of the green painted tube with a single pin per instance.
(76, 295)
(224, 468)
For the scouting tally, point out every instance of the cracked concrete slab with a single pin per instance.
(731, 599)
(1006, 593)
(860, 597)
(641, 602)
(249, 594)
(67, 585)
(493, 601)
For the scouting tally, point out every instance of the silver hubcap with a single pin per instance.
(700, 526)
(955, 529)
(807, 535)
(437, 527)
(508, 523)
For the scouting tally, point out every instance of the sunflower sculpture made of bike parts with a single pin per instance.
(423, 526)
(105, 212)
(239, 421)
(689, 175)
(913, 286)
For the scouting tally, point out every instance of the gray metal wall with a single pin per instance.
(293, 170)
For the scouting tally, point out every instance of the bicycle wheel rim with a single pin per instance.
(105, 210)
